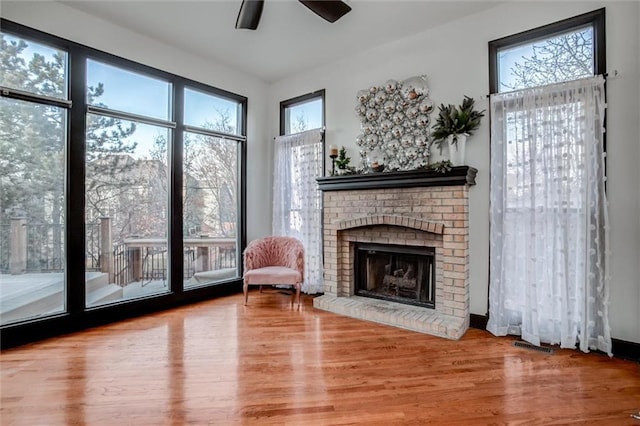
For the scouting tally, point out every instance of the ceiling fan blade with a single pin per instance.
(330, 10)
(249, 14)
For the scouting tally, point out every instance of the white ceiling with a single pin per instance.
(289, 39)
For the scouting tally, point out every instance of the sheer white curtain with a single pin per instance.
(549, 226)
(297, 201)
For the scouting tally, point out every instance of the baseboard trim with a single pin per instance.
(625, 350)
(619, 348)
(478, 321)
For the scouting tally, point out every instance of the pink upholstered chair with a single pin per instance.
(274, 261)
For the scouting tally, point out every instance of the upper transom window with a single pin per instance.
(305, 112)
(33, 67)
(559, 52)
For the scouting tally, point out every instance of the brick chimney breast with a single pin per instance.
(424, 212)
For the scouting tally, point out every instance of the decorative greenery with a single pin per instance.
(455, 121)
(342, 162)
(440, 166)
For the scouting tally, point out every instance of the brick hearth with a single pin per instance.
(413, 209)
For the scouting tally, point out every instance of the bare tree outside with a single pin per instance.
(210, 179)
(563, 58)
(300, 124)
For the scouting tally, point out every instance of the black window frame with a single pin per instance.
(317, 94)
(288, 103)
(77, 315)
(596, 19)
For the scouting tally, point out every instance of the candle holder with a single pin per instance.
(333, 154)
(333, 164)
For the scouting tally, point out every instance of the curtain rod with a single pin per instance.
(607, 75)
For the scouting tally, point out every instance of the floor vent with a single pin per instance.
(525, 345)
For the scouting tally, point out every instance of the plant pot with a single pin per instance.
(457, 145)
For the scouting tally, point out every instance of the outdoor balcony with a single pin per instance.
(32, 267)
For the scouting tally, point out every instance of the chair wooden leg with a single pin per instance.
(245, 290)
(297, 296)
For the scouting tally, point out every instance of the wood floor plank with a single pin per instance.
(219, 362)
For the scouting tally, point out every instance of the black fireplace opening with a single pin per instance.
(403, 274)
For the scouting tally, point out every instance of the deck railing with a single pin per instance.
(93, 244)
(31, 247)
(45, 247)
(145, 259)
(28, 248)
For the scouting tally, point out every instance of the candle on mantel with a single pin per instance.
(333, 151)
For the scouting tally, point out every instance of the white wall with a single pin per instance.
(63, 21)
(455, 59)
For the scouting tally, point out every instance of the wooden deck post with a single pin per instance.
(106, 248)
(18, 246)
(135, 263)
(202, 259)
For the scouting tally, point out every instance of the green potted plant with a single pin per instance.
(453, 125)
(343, 163)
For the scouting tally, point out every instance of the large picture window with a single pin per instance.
(126, 183)
(33, 140)
(211, 188)
(120, 183)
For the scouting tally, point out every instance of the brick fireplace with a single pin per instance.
(408, 209)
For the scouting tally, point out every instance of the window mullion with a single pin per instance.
(75, 183)
(175, 151)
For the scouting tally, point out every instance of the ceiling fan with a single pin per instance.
(251, 10)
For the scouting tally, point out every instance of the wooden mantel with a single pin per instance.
(462, 175)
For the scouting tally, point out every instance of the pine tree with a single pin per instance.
(33, 147)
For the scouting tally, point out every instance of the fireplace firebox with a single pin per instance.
(403, 274)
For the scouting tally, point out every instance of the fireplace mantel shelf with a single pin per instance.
(462, 175)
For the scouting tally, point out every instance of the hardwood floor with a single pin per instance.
(219, 363)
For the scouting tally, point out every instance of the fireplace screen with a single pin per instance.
(402, 274)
